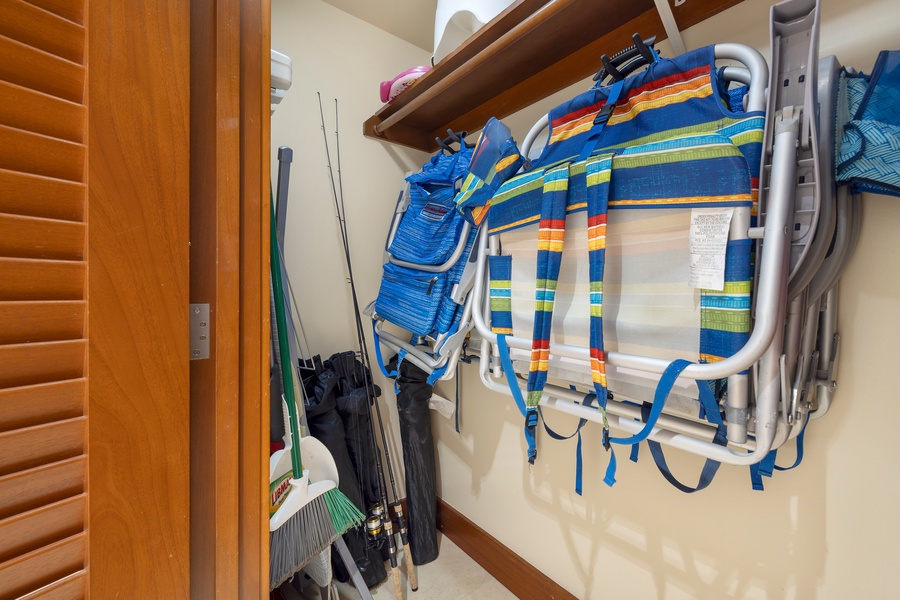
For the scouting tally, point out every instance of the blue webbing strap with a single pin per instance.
(651, 416)
(600, 120)
(761, 469)
(706, 475)
(530, 414)
(437, 374)
(799, 458)
(636, 448)
(767, 466)
(659, 400)
(379, 357)
(710, 467)
(588, 401)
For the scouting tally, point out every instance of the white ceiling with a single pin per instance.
(411, 20)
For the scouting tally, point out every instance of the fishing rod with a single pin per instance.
(364, 356)
(370, 393)
(396, 506)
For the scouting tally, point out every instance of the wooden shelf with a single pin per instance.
(528, 52)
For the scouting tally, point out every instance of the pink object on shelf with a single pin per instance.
(390, 89)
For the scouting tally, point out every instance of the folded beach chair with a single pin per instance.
(652, 270)
(427, 272)
(427, 248)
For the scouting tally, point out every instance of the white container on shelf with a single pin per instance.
(456, 20)
(281, 77)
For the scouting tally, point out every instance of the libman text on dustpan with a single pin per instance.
(278, 491)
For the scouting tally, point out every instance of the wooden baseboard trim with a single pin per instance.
(518, 576)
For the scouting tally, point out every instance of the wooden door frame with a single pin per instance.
(253, 538)
(230, 71)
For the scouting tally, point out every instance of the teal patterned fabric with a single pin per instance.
(868, 156)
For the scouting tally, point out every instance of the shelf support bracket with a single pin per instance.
(671, 27)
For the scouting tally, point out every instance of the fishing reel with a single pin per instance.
(381, 527)
(375, 526)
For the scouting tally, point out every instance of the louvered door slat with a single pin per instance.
(43, 299)
(28, 237)
(28, 279)
(44, 566)
(31, 489)
(30, 364)
(69, 588)
(40, 70)
(59, 400)
(30, 447)
(31, 530)
(30, 322)
(42, 29)
(28, 152)
(48, 115)
(73, 10)
(27, 194)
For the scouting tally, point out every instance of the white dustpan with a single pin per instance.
(320, 474)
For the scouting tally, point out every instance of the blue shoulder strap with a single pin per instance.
(530, 414)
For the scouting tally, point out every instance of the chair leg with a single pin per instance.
(355, 575)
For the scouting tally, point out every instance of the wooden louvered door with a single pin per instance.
(94, 278)
(98, 426)
(43, 291)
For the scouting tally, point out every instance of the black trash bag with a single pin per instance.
(325, 424)
(276, 408)
(354, 404)
(418, 457)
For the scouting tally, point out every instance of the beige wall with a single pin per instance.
(826, 530)
(343, 58)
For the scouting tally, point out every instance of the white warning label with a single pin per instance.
(709, 239)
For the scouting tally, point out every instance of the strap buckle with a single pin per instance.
(605, 113)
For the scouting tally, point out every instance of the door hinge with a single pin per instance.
(199, 331)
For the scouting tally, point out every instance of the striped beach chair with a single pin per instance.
(629, 235)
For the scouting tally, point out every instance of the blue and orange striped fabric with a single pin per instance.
(597, 169)
(671, 142)
(673, 136)
(551, 231)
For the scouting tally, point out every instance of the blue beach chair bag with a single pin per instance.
(869, 148)
(427, 235)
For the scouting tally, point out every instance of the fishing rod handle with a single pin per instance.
(410, 568)
(398, 590)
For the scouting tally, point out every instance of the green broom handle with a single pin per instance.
(284, 349)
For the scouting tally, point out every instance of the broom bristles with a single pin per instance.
(344, 514)
(308, 533)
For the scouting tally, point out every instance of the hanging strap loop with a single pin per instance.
(615, 92)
